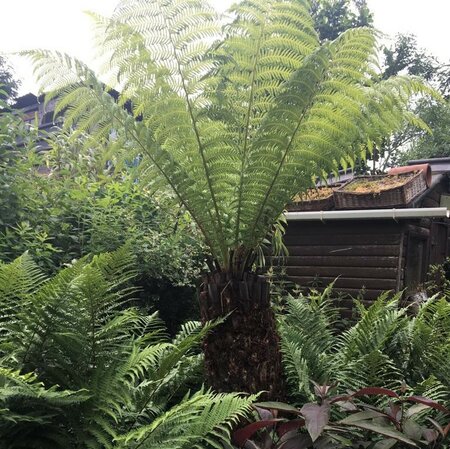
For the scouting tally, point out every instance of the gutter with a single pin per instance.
(394, 214)
(429, 161)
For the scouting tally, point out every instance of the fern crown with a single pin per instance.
(237, 113)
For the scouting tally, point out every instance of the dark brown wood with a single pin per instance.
(355, 272)
(343, 282)
(332, 238)
(418, 231)
(416, 261)
(349, 305)
(242, 353)
(344, 250)
(378, 254)
(438, 244)
(378, 227)
(343, 261)
(368, 294)
(400, 262)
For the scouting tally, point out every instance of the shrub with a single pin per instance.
(346, 421)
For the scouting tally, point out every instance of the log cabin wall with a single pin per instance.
(361, 254)
(366, 257)
(376, 255)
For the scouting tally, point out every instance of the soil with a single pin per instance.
(313, 195)
(378, 185)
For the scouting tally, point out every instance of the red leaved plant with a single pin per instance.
(359, 424)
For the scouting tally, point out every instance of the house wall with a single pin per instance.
(374, 255)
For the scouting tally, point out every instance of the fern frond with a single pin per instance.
(236, 114)
(202, 419)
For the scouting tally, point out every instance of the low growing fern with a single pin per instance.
(387, 347)
(81, 367)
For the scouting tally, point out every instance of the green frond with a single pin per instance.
(238, 113)
(373, 328)
(386, 347)
(308, 337)
(18, 281)
(96, 368)
(198, 421)
(372, 368)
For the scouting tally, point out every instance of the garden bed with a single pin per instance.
(380, 191)
(320, 198)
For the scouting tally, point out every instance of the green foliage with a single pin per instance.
(12, 130)
(68, 202)
(406, 57)
(437, 143)
(386, 347)
(333, 17)
(438, 278)
(80, 366)
(8, 84)
(236, 117)
(347, 421)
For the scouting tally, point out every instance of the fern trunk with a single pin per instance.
(243, 353)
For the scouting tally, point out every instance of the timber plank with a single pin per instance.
(344, 250)
(345, 282)
(342, 261)
(354, 272)
(344, 227)
(337, 239)
(345, 295)
(366, 294)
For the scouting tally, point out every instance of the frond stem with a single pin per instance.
(224, 249)
(247, 130)
(280, 165)
(169, 181)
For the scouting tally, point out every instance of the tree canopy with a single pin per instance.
(333, 17)
(405, 56)
(8, 84)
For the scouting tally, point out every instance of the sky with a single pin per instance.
(62, 25)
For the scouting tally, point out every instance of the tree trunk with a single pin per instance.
(243, 353)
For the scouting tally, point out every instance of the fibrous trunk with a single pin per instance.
(242, 354)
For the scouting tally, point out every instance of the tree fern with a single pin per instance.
(236, 115)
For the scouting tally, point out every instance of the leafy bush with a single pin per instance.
(387, 347)
(12, 131)
(81, 367)
(346, 421)
(70, 201)
(82, 204)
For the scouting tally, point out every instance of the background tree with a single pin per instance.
(406, 57)
(333, 17)
(435, 144)
(237, 119)
(8, 84)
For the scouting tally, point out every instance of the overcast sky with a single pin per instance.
(61, 25)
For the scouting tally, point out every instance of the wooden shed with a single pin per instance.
(370, 251)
